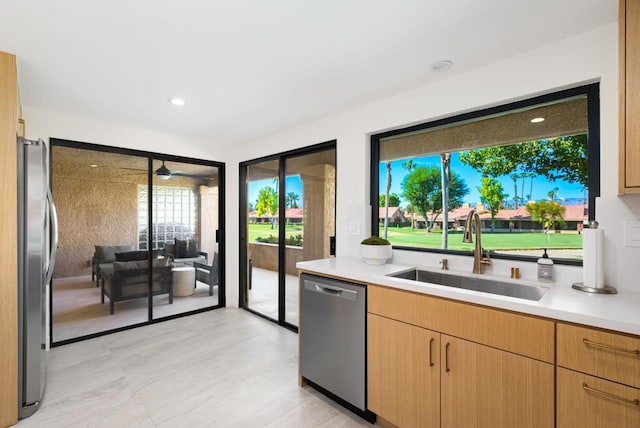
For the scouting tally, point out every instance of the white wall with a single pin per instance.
(52, 124)
(587, 58)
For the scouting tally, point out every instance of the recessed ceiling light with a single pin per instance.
(93, 165)
(442, 65)
(176, 101)
(537, 120)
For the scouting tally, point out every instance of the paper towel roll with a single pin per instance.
(593, 258)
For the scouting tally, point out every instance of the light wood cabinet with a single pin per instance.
(600, 353)
(9, 108)
(477, 385)
(629, 67)
(487, 387)
(403, 372)
(598, 378)
(517, 333)
(589, 402)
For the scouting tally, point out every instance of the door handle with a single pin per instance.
(431, 352)
(586, 387)
(633, 352)
(446, 357)
(54, 234)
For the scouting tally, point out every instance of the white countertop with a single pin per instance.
(619, 312)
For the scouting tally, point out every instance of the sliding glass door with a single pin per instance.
(95, 194)
(262, 249)
(185, 213)
(288, 211)
(140, 238)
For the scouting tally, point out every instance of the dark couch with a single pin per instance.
(129, 280)
(103, 256)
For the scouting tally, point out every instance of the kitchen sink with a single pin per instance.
(509, 289)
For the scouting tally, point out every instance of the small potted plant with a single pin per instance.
(375, 250)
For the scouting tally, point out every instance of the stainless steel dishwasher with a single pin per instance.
(332, 337)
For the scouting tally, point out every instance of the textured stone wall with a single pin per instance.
(92, 212)
(99, 205)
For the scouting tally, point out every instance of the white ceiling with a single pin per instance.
(248, 68)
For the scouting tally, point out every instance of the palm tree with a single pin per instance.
(408, 165)
(445, 168)
(531, 175)
(514, 177)
(292, 199)
(386, 200)
(553, 193)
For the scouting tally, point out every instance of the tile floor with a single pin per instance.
(225, 368)
(77, 310)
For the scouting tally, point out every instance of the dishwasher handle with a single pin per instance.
(330, 290)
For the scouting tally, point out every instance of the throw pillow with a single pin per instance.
(120, 266)
(135, 255)
(139, 264)
(169, 249)
(186, 248)
(106, 253)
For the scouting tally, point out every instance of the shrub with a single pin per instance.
(293, 240)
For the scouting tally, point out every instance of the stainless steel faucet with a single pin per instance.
(480, 258)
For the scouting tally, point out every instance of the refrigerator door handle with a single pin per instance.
(54, 236)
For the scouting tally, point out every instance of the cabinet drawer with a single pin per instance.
(600, 353)
(520, 334)
(604, 404)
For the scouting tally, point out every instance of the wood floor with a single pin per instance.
(223, 368)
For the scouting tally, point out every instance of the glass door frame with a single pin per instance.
(244, 232)
(151, 156)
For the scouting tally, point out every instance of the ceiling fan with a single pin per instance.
(164, 173)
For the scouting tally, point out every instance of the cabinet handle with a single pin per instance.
(586, 387)
(633, 352)
(431, 352)
(446, 357)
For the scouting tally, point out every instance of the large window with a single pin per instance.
(175, 215)
(529, 169)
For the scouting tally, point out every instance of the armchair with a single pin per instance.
(207, 274)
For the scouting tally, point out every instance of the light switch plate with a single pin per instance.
(632, 233)
(354, 228)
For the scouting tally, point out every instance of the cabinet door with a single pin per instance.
(586, 401)
(403, 373)
(486, 387)
(629, 96)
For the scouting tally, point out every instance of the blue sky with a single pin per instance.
(292, 184)
(541, 187)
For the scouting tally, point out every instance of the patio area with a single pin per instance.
(77, 311)
(263, 295)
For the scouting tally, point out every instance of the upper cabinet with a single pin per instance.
(629, 180)
(9, 115)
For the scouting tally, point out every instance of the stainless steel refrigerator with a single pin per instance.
(37, 242)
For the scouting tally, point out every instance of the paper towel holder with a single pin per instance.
(604, 290)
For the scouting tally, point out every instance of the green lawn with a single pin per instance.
(494, 241)
(264, 230)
